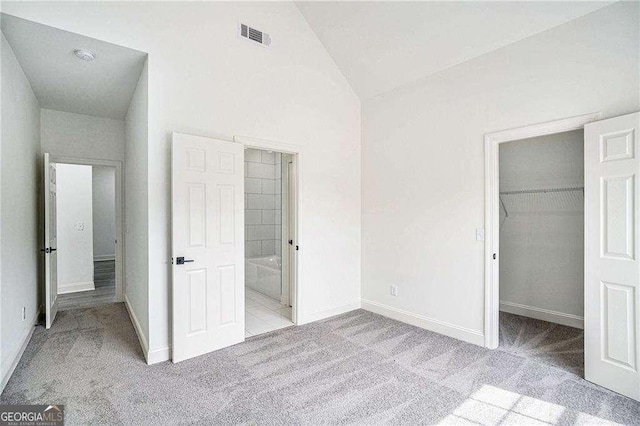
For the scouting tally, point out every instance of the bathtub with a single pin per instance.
(264, 275)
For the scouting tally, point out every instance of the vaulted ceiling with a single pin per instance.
(380, 46)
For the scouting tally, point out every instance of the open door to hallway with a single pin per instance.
(208, 245)
(50, 241)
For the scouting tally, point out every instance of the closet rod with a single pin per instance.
(542, 191)
(535, 191)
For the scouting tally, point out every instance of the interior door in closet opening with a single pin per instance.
(208, 245)
(50, 248)
(612, 270)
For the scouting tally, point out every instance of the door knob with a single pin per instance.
(181, 260)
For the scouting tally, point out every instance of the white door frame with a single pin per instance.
(292, 231)
(296, 154)
(120, 249)
(492, 210)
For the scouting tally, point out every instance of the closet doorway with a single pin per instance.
(535, 215)
(541, 183)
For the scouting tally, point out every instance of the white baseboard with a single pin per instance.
(326, 313)
(542, 314)
(136, 326)
(448, 329)
(76, 287)
(159, 355)
(104, 257)
(15, 357)
(164, 354)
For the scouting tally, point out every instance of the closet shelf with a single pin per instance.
(545, 190)
(536, 191)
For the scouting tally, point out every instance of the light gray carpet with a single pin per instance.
(542, 341)
(354, 368)
(104, 279)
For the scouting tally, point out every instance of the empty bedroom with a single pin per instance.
(320, 212)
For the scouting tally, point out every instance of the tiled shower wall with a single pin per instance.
(262, 203)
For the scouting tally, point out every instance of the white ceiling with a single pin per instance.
(383, 45)
(62, 82)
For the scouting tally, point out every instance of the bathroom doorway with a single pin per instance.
(270, 240)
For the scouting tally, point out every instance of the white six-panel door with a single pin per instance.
(208, 232)
(50, 241)
(612, 270)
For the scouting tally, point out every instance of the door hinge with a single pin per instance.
(494, 256)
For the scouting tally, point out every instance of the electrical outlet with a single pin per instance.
(80, 226)
(480, 234)
(394, 290)
(24, 313)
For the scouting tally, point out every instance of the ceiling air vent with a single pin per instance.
(254, 35)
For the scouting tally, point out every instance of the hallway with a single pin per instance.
(104, 278)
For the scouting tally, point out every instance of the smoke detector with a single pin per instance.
(84, 54)
(249, 33)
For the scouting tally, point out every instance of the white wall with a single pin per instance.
(104, 212)
(205, 80)
(423, 158)
(542, 238)
(263, 203)
(66, 134)
(75, 227)
(136, 221)
(19, 188)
